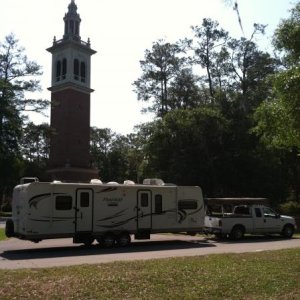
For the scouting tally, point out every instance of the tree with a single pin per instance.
(209, 37)
(161, 65)
(278, 116)
(17, 76)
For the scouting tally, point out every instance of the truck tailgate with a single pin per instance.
(212, 222)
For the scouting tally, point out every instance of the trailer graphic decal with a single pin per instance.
(52, 219)
(110, 189)
(182, 217)
(33, 201)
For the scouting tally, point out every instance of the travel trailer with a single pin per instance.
(107, 212)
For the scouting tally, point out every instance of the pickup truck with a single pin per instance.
(232, 217)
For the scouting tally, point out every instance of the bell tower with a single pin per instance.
(70, 103)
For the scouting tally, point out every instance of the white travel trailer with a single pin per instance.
(108, 213)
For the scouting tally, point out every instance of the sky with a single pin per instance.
(120, 31)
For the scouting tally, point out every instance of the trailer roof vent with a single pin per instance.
(153, 181)
(129, 182)
(25, 180)
(96, 181)
(113, 183)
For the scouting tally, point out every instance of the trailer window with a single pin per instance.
(158, 204)
(84, 199)
(187, 204)
(144, 200)
(63, 203)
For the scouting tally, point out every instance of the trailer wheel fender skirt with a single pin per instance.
(9, 228)
(237, 232)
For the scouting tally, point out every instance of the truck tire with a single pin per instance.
(237, 233)
(287, 231)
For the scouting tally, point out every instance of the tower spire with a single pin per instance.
(72, 23)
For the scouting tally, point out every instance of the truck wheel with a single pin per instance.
(287, 231)
(108, 240)
(237, 233)
(123, 239)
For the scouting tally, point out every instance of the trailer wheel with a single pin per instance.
(88, 241)
(287, 231)
(237, 233)
(123, 239)
(9, 228)
(108, 240)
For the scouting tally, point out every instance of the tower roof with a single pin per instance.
(72, 22)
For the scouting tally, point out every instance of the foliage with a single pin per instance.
(287, 36)
(290, 208)
(18, 77)
(117, 157)
(159, 67)
(264, 275)
(278, 117)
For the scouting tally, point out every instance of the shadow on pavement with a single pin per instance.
(75, 250)
(252, 239)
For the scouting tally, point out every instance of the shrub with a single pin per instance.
(290, 208)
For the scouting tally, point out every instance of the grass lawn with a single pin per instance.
(2, 234)
(263, 275)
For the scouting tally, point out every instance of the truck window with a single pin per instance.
(187, 204)
(63, 202)
(242, 210)
(158, 204)
(269, 213)
(258, 212)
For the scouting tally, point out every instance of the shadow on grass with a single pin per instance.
(96, 249)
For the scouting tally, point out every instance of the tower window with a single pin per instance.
(58, 70)
(76, 69)
(72, 26)
(64, 68)
(77, 28)
(82, 71)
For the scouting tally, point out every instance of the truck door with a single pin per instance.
(272, 221)
(84, 210)
(258, 220)
(144, 217)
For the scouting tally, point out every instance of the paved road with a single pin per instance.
(16, 254)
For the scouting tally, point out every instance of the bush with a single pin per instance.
(6, 207)
(290, 208)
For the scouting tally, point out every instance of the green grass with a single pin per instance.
(264, 275)
(2, 234)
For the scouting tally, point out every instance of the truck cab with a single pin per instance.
(234, 217)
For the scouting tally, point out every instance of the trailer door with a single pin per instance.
(144, 217)
(84, 210)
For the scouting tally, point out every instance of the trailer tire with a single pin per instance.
(123, 239)
(88, 241)
(108, 240)
(237, 232)
(9, 228)
(287, 231)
